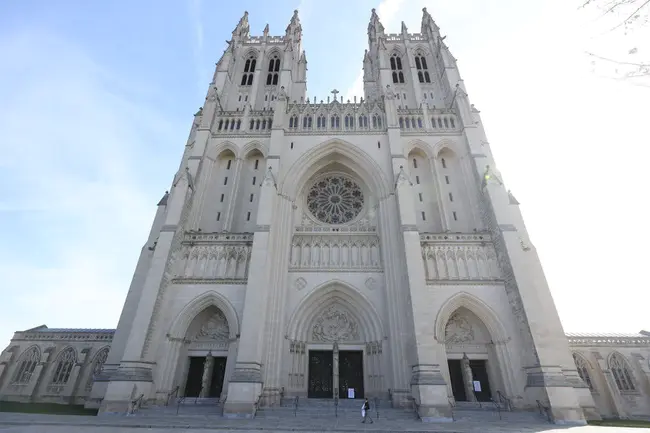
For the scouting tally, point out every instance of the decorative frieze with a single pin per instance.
(607, 340)
(335, 252)
(76, 335)
(214, 257)
(459, 257)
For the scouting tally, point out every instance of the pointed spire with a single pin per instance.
(294, 29)
(303, 57)
(404, 29)
(266, 30)
(428, 23)
(375, 24)
(242, 29)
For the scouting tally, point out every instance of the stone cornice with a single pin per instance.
(69, 336)
(460, 282)
(198, 238)
(454, 238)
(604, 341)
(181, 280)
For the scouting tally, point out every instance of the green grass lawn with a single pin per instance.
(48, 408)
(621, 423)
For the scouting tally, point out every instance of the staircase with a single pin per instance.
(489, 412)
(347, 409)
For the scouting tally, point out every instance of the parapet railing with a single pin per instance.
(543, 409)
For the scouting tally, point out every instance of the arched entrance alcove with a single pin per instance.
(476, 347)
(202, 347)
(335, 339)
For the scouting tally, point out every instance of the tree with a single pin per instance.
(623, 37)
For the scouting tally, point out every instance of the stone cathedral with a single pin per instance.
(325, 249)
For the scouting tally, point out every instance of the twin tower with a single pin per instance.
(340, 249)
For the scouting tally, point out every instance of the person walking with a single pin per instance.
(365, 412)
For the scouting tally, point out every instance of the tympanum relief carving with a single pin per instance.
(459, 330)
(215, 328)
(335, 324)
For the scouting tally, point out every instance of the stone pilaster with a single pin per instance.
(233, 198)
(428, 386)
(245, 385)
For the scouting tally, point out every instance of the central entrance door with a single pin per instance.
(351, 373)
(456, 376)
(479, 371)
(321, 374)
(194, 376)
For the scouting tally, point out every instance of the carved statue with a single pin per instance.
(215, 328)
(334, 325)
(458, 330)
(389, 92)
(282, 94)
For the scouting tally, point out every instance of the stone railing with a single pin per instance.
(335, 251)
(607, 340)
(236, 122)
(418, 121)
(67, 335)
(459, 256)
(305, 117)
(214, 258)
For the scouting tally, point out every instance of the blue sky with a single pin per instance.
(96, 101)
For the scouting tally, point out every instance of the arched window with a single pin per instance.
(421, 66)
(274, 71)
(63, 367)
(306, 122)
(249, 70)
(621, 372)
(321, 122)
(349, 121)
(583, 370)
(396, 68)
(97, 365)
(26, 365)
(336, 121)
(293, 122)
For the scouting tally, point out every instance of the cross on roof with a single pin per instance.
(334, 92)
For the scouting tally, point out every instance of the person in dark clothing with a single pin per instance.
(366, 412)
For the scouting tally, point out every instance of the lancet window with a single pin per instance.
(423, 70)
(321, 122)
(64, 364)
(621, 372)
(583, 370)
(274, 71)
(28, 362)
(293, 122)
(335, 121)
(396, 68)
(349, 121)
(249, 70)
(306, 122)
(98, 364)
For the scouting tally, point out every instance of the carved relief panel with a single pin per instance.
(445, 259)
(335, 324)
(333, 251)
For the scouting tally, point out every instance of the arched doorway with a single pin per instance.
(204, 337)
(476, 350)
(335, 345)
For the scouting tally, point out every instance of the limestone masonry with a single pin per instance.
(336, 249)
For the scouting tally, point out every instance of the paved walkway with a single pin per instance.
(36, 423)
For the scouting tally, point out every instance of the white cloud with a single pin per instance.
(76, 161)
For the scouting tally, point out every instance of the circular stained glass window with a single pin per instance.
(335, 199)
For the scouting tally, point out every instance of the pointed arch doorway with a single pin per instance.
(335, 346)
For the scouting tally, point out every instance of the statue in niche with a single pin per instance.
(335, 325)
(215, 328)
(458, 330)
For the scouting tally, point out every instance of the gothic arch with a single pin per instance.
(213, 151)
(254, 145)
(420, 145)
(421, 49)
(250, 52)
(272, 52)
(443, 144)
(345, 296)
(181, 323)
(320, 156)
(476, 306)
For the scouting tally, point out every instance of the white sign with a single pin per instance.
(350, 392)
(477, 386)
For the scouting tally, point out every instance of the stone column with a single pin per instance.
(335, 370)
(468, 378)
(206, 380)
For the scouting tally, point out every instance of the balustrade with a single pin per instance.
(335, 251)
(459, 257)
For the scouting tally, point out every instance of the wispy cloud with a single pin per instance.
(387, 11)
(75, 168)
(196, 22)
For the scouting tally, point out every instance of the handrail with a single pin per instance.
(416, 409)
(390, 396)
(256, 405)
(542, 408)
(179, 402)
(135, 404)
(498, 406)
(376, 401)
(295, 406)
(476, 399)
(170, 393)
(506, 400)
(452, 405)
(199, 395)
(336, 406)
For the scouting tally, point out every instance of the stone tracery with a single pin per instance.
(335, 199)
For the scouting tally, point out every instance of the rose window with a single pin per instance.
(335, 200)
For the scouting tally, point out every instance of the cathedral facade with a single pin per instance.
(336, 249)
